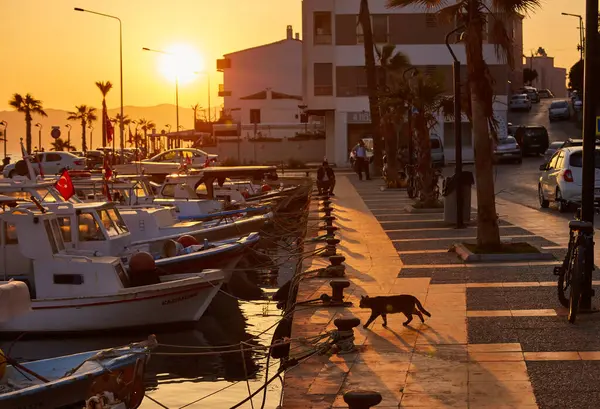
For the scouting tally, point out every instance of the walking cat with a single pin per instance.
(404, 303)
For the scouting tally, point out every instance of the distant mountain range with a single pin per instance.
(161, 115)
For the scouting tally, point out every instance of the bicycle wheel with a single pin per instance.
(577, 272)
(411, 189)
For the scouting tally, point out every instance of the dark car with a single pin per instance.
(533, 140)
(95, 159)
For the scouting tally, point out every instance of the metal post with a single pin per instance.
(457, 132)
(38, 125)
(177, 106)
(589, 140)
(5, 137)
(208, 80)
(122, 124)
(91, 128)
(68, 136)
(580, 37)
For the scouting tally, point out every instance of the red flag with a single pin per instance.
(110, 130)
(64, 185)
(130, 141)
(107, 170)
(207, 162)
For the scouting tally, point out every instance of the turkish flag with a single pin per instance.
(64, 185)
(107, 170)
(110, 130)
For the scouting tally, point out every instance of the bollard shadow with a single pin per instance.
(349, 252)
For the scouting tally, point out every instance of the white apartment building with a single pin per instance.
(549, 76)
(263, 85)
(335, 79)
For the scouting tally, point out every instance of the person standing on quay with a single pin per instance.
(362, 162)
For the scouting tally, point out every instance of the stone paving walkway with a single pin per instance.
(497, 337)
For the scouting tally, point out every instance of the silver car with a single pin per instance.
(554, 146)
(519, 102)
(559, 110)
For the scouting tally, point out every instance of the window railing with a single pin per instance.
(323, 39)
(323, 90)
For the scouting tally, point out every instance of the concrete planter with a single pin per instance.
(468, 256)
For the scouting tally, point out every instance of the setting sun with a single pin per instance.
(182, 62)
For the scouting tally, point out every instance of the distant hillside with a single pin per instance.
(161, 115)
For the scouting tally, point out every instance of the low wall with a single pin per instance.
(269, 151)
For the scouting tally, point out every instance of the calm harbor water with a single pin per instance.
(176, 381)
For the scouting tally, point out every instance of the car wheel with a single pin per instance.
(543, 202)
(563, 206)
(11, 174)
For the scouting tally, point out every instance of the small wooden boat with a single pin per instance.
(114, 376)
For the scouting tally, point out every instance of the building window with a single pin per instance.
(379, 27)
(351, 81)
(255, 116)
(323, 74)
(322, 25)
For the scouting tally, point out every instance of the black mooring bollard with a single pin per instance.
(330, 249)
(329, 229)
(337, 290)
(362, 399)
(343, 339)
(326, 203)
(337, 260)
(328, 219)
(326, 210)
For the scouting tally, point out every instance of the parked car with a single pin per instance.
(577, 105)
(169, 162)
(559, 110)
(512, 129)
(53, 163)
(95, 159)
(554, 146)
(561, 178)
(545, 93)
(437, 151)
(519, 102)
(508, 149)
(532, 93)
(533, 139)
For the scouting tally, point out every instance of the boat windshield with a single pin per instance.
(43, 194)
(113, 223)
(89, 229)
(54, 235)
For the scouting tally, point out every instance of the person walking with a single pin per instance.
(361, 163)
(325, 179)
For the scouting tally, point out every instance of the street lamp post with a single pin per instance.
(5, 124)
(68, 136)
(38, 125)
(580, 32)
(168, 126)
(457, 131)
(121, 124)
(409, 118)
(176, 89)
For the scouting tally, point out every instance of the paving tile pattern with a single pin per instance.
(483, 274)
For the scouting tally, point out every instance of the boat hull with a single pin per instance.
(164, 304)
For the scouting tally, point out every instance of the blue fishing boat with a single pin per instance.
(111, 377)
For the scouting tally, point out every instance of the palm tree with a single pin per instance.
(364, 19)
(28, 105)
(60, 144)
(391, 104)
(86, 115)
(195, 108)
(104, 87)
(473, 16)
(146, 125)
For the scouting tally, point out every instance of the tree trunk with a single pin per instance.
(391, 147)
(371, 68)
(28, 132)
(424, 168)
(488, 233)
(103, 124)
(83, 141)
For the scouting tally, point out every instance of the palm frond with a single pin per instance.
(516, 6)
(430, 4)
(502, 40)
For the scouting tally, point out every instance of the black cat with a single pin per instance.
(404, 303)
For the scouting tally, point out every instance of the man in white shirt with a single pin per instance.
(361, 163)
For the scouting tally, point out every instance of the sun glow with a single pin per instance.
(181, 62)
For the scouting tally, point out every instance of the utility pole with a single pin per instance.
(589, 140)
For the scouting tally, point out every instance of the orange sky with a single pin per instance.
(57, 54)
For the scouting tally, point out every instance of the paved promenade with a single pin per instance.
(497, 338)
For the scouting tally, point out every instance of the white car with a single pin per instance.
(53, 163)
(561, 178)
(519, 102)
(169, 162)
(559, 110)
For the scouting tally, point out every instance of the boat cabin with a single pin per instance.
(55, 273)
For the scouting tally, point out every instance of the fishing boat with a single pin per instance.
(113, 377)
(75, 293)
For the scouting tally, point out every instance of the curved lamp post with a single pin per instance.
(121, 124)
(580, 32)
(5, 124)
(91, 128)
(68, 137)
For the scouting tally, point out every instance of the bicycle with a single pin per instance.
(412, 186)
(571, 273)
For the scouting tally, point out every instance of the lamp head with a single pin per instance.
(3, 123)
(78, 9)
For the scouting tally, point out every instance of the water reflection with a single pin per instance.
(178, 380)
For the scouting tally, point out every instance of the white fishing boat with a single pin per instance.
(79, 293)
